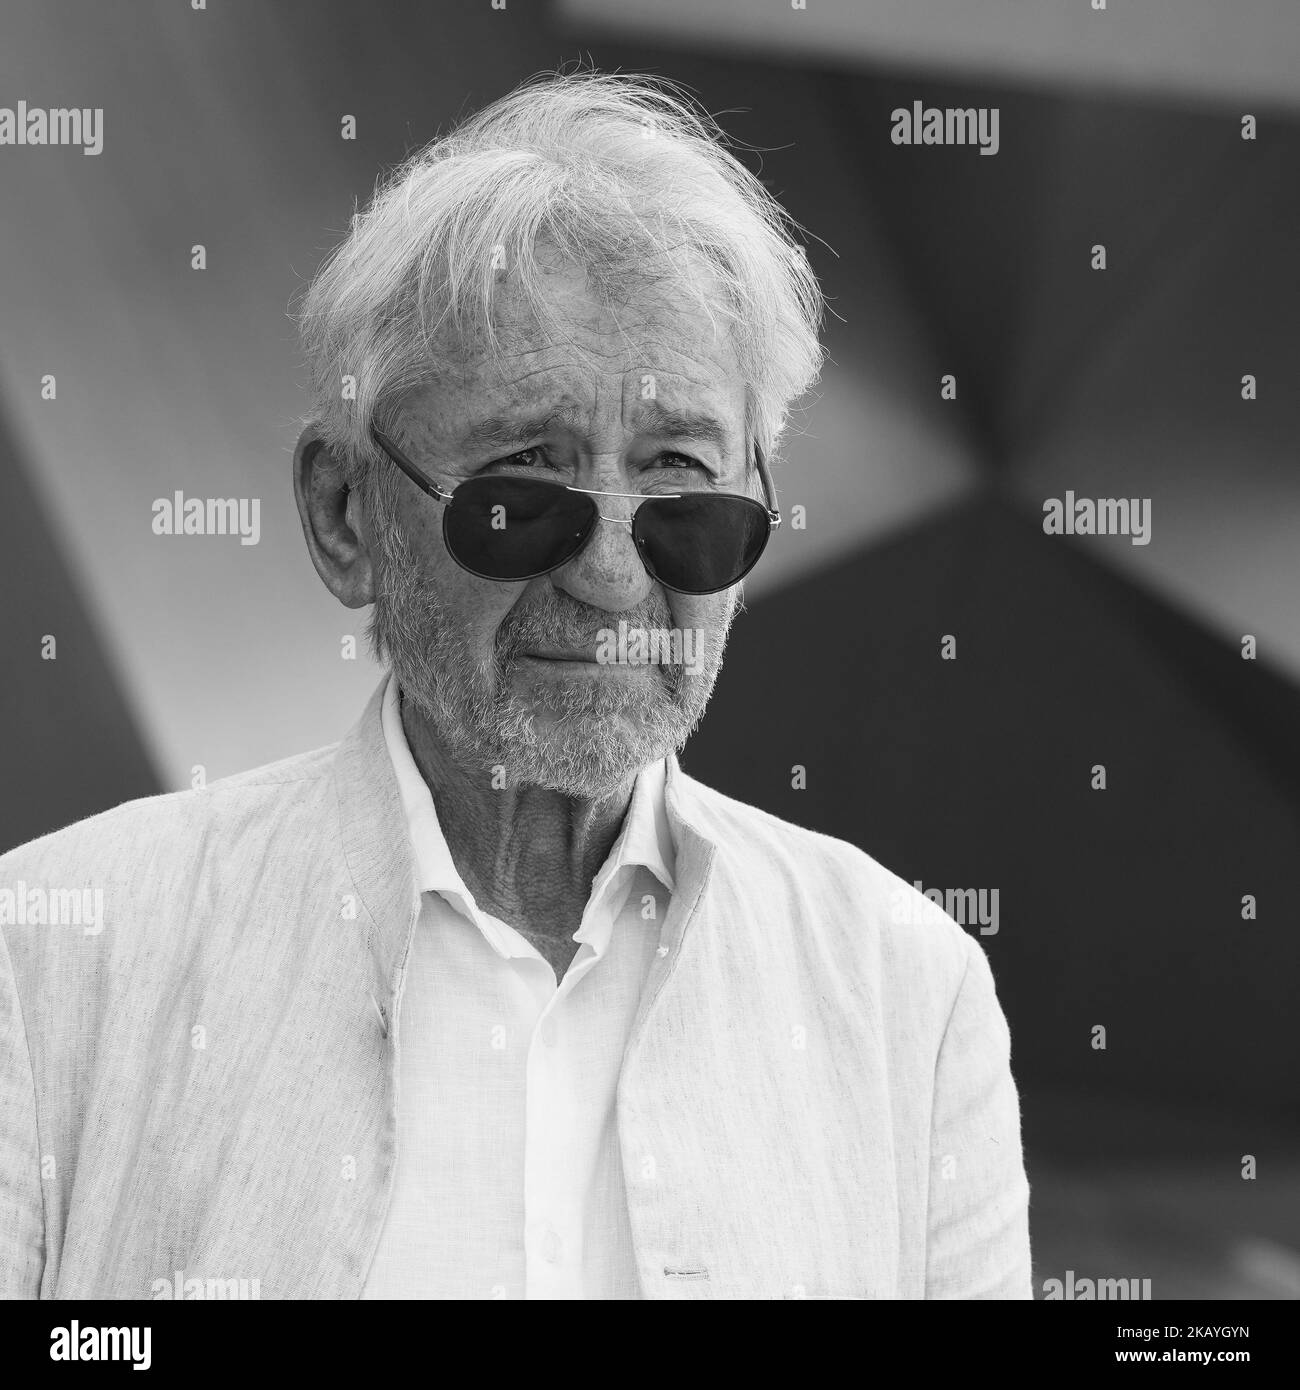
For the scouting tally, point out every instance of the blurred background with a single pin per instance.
(1121, 127)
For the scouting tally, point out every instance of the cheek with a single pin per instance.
(476, 606)
(707, 613)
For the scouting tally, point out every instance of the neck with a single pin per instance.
(527, 854)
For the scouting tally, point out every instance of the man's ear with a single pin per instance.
(337, 548)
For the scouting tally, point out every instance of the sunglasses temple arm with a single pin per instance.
(416, 475)
(769, 486)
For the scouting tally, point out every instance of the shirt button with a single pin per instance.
(549, 1033)
(550, 1247)
(661, 951)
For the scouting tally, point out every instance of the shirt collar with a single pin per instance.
(435, 870)
(646, 837)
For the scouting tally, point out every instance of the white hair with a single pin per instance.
(622, 175)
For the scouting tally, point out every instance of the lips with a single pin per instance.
(561, 656)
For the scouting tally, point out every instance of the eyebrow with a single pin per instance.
(503, 431)
(683, 424)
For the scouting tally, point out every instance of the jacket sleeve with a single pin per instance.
(22, 1243)
(978, 1221)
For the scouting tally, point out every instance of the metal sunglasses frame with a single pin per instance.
(439, 494)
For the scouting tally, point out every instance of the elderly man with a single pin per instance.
(491, 1000)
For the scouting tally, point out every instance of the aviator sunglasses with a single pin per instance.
(511, 529)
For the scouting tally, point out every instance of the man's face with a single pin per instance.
(507, 673)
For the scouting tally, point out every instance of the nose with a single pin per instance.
(607, 572)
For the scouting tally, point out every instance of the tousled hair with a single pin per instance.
(621, 174)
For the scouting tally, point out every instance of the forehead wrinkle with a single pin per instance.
(595, 327)
(503, 400)
(565, 372)
(575, 321)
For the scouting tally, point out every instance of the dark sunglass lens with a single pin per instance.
(702, 542)
(515, 528)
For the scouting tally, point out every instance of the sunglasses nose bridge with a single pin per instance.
(597, 495)
(598, 567)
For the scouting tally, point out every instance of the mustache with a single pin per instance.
(560, 620)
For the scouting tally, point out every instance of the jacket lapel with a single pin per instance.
(754, 1112)
(319, 1243)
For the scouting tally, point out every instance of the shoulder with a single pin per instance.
(154, 829)
(832, 889)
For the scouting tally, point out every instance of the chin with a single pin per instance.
(592, 759)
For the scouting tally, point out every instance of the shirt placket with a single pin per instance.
(552, 1213)
(554, 1173)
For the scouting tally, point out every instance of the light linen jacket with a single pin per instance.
(816, 1099)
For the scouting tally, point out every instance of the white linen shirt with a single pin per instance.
(509, 1179)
